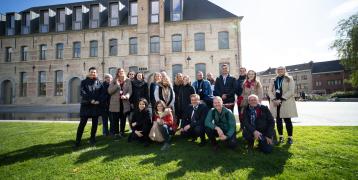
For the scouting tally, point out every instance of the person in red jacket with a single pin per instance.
(164, 117)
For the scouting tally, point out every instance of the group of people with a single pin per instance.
(159, 110)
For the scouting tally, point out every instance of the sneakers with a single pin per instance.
(165, 146)
(290, 141)
(281, 140)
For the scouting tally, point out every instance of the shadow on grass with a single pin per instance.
(188, 156)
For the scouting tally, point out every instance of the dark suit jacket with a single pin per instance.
(264, 122)
(199, 116)
(229, 88)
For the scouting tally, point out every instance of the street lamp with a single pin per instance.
(188, 59)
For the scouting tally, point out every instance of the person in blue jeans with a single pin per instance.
(105, 98)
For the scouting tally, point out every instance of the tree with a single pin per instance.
(346, 45)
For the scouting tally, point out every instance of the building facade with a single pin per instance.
(312, 78)
(46, 51)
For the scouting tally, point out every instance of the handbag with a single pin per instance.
(155, 133)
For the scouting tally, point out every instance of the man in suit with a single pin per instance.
(192, 125)
(225, 87)
(258, 125)
(203, 89)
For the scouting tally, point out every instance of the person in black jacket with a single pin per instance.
(182, 92)
(139, 90)
(225, 87)
(141, 123)
(105, 99)
(192, 125)
(91, 89)
(258, 125)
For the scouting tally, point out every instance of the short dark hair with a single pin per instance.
(92, 68)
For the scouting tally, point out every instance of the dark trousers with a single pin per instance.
(263, 145)
(82, 126)
(279, 123)
(195, 132)
(212, 134)
(115, 117)
(105, 129)
(145, 133)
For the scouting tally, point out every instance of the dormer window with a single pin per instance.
(154, 11)
(133, 18)
(44, 26)
(113, 14)
(177, 10)
(77, 21)
(61, 20)
(10, 30)
(26, 23)
(94, 20)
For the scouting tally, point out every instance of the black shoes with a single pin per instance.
(289, 141)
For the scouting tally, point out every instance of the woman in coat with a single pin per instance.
(164, 91)
(182, 97)
(164, 117)
(141, 123)
(120, 90)
(157, 78)
(282, 102)
(139, 90)
(250, 86)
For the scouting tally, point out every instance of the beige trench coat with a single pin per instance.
(288, 107)
(114, 90)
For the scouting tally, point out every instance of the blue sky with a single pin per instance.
(274, 33)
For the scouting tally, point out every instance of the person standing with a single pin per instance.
(220, 122)
(164, 91)
(157, 78)
(210, 78)
(120, 90)
(182, 98)
(139, 90)
(91, 89)
(225, 87)
(192, 125)
(258, 125)
(283, 105)
(203, 89)
(105, 99)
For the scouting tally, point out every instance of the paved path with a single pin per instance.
(310, 113)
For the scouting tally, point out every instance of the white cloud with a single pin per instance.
(344, 8)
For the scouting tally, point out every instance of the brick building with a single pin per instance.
(45, 51)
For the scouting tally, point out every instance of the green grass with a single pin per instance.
(44, 151)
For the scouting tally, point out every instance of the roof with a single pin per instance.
(192, 10)
(327, 66)
(291, 68)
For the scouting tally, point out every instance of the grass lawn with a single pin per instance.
(44, 151)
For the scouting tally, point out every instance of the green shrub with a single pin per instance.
(347, 94)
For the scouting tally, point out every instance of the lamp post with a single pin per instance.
(188, 59)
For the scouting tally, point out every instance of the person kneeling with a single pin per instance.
(192, 125)
(141, 123)
(258, 125)
(220, 122)
(163, 125)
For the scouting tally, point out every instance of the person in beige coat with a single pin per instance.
(120, 90)
(282, 102)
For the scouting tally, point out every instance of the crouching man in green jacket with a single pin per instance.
(220, 122)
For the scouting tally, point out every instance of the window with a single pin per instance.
(176, 43)
(154, 44)
(200, 67)
(11, 26)
(43, 51)
(133, 19)
(318, 83)
(77, 24)
(114, 14)
(112, 71)
(8, 54)
(23, 84)
(176, 10)
(176, 68)
(154, 15)
(59, 51)
(223, 40)
(42, 83)
(113, 47)
(77, 49)
(133, 68)
(61, 20)
(58, 83)
(45, 22)
(199, 39)
(93, 48)
(26, 24)
(94, 16)
(304, 77)
(133, 45)
(24, 53)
